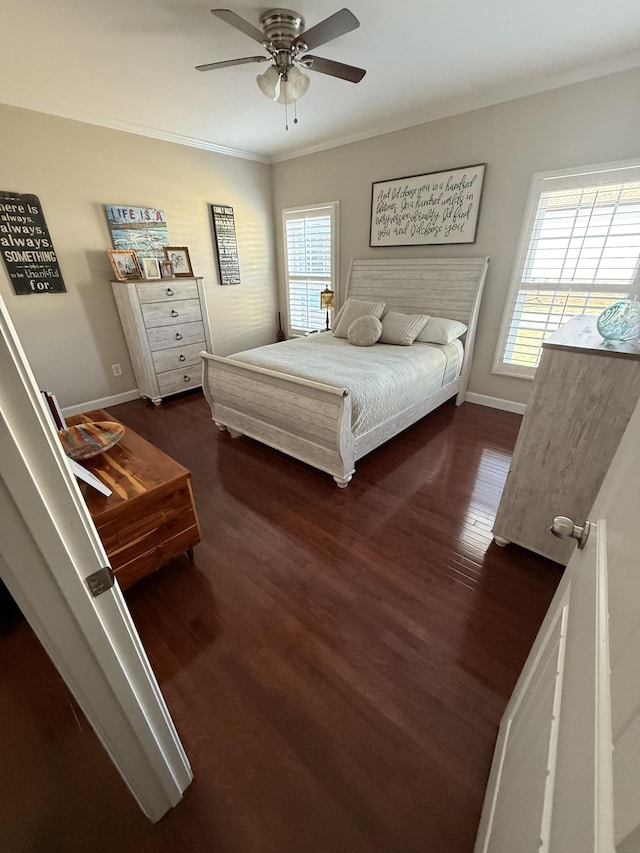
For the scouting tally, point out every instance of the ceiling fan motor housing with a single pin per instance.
(281, 27)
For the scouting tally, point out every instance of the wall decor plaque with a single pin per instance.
(26, 246)
(142, 230)
(434, 208)
(224, 232)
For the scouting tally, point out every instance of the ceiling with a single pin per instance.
(129, 64)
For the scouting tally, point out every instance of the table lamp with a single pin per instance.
(326, 301)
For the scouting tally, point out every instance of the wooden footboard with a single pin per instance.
(307, 420)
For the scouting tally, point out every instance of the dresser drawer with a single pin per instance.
(171, 312)
(166, 337)
(177, 357)
(180, 380)
(164, 291)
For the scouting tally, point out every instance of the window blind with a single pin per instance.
(310, 263)
(581, 253)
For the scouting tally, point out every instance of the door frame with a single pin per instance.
(48, 547)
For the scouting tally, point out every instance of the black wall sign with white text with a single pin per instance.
(224, 230)
(26, 246)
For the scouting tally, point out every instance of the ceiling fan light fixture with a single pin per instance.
(298, 82)
(285, 96)
(268, 81)
(293, 87)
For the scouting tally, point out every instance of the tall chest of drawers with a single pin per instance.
(582, 399)
(166, 326)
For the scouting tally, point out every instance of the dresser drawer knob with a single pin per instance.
(186, 378)
(178, 336)
(174, 313)
(169, 292)
(183, 357)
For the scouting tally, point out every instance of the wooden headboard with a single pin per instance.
(441, 287)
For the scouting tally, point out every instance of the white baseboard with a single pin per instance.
(470, 397)
(103, 403)
(495, 403)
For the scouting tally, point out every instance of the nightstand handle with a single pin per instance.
(174, 313)
(183, 357)
(169, 292)
(178, 336)
(186, 378)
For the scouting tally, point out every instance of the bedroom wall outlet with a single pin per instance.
(117, 370)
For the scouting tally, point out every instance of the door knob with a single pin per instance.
(564, 528)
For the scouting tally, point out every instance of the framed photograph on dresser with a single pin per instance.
(180, 260)
(125, 264)
(151, 267)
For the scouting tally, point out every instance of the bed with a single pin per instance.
(328, 403)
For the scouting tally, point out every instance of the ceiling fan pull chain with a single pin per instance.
(295, 112)
(286, 112)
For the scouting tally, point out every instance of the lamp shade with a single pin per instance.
(298, 81)
(293, 87)
(326, 298)
(268, 81)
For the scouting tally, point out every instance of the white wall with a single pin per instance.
(72, 339)
(591, 122)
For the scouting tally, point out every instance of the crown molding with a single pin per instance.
(499, 95)
(58, 111)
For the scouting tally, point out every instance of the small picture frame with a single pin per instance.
(125, 264)
(180, 261)
(151, 267)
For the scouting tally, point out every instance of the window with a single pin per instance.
(579, 251)
(311, 262)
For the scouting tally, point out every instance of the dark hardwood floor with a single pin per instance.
(336, 661)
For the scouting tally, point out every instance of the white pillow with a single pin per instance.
(402, 329)
(440, 330)
(364, 331)
(351, 310)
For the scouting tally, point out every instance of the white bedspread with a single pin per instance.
(382, 380)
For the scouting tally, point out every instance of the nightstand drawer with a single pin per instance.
(180, 380)
(178, 357)
(166, 337)
(163, 291)
(171, 312)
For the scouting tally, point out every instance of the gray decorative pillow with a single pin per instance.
(364, 331)
(351, 310)
(402, 329)
(440, 330)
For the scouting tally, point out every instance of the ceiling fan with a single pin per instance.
(285, 39)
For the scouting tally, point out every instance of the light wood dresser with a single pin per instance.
(583, 395)
(166, 326)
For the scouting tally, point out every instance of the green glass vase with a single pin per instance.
(620, 321)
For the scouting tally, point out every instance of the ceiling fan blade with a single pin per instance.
(334, 69)
(226, 63)
(239, 23)
(335, 25)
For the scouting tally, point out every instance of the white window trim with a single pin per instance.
(334, 206)
(540, 182)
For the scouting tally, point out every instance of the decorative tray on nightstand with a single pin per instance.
(87, 440)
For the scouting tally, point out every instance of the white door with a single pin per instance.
(48, 547)
(565, 776)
